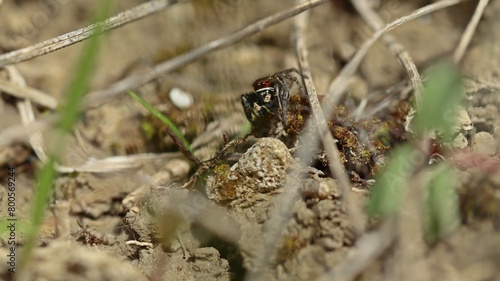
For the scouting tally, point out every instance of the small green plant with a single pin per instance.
(440, 99)
(184, 143)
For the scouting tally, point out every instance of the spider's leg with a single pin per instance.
(283, 97)
(284, 105)
(290, 70)
(248, 101)
(292, 75)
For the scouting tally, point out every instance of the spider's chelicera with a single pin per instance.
(270, 98)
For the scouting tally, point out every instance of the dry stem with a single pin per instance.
(329, 143)
(68, 39)
(469, 31)
(25, 108)
(26, 92)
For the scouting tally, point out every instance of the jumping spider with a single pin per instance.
(270, 98)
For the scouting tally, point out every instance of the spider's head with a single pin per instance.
(268, 103)
(257, 106)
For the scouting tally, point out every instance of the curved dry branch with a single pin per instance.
(375, 22)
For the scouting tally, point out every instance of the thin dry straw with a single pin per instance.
(329, 143)
(19, 132)
(26, 92)
(68, 39)
(469, 31)
(25, 109)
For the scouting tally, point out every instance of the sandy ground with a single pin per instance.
(138, 224)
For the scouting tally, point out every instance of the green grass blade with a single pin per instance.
(389, 185)
(442, 203)
(164, 119)
(69, 115)
(440, 99)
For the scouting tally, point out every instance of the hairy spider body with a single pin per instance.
(270, 98)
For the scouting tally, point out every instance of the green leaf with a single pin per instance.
(442, 203)
(389, 185)
(164, 119)
(440, 99)
(70, 112)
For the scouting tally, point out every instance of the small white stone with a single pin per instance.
(180, 98)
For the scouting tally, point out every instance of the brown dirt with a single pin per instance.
(180, 235)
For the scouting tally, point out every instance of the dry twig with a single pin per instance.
(469, 31)
(18, 132)
(25, 108)
(26, 92)
(115, 164)
(68, 39)
(329, 143)
(140, 244)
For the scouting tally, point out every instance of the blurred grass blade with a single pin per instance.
(69, 115)
(442, 203)
(164, 119)
(386, 195)
(440, 99)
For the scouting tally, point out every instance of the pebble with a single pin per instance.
(460, 141)
(484, 142)
(463, 120)
(180, 98)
